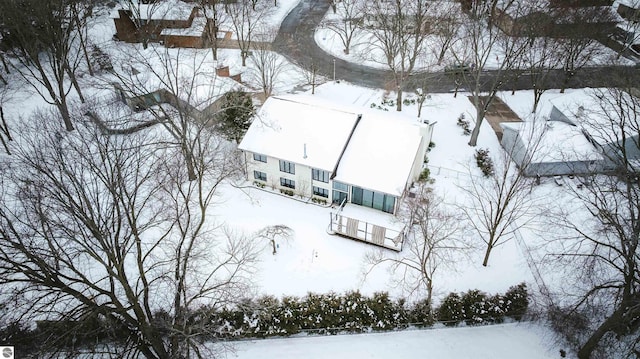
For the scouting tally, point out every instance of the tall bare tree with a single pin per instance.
(110, 228)
(247, 18)
(177, 88)
(501, 203)
(399, 30)
(345, 22)
(268, 67)
(598, 255)
(42, 37)
(214, 12)
(540, 59)
(478, 44)
(436, 242)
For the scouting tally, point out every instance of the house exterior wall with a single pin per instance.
(426, 131)
(303, 176)
(194, 42)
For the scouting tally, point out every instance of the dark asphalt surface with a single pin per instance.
(295, 41)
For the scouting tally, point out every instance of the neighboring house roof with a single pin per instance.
(284, 125)
(593, 116)
(378, 155)
(162, 10)
(553, 141)
(196, 29)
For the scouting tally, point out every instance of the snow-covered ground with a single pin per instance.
(315, 261)
(506, 341)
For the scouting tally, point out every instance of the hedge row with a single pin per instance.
(353, 313)
(475, 307)
(267, 316)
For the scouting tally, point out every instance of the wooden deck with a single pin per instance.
(366, 232)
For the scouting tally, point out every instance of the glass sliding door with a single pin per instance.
(367, 198)
(378, 200)
(389, 203)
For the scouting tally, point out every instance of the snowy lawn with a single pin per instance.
(506, 341)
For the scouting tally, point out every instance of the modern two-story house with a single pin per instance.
(313, 148)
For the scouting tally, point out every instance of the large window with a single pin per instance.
(372, 199)
(260, 158)
(260, 175)
(322, 192)
(285, 182)
(320, 175)
(340, 192)
(288, 167)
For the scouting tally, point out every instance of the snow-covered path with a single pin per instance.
(505, 341)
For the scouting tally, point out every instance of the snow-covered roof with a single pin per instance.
(196, 29)
(381, 153)
(286, 124)
(554, 141)
(185, 72)
(162, 10)
(598, 118)
(378, 156)
(634, 4)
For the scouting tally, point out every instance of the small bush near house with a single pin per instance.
(288, 192)
(258, 184)
(424, 175)
(464, 124)
(484, 162)
(432, 145)
(319, 200)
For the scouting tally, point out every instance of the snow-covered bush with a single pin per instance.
(484, 162)
(516, 301)
(451, 312)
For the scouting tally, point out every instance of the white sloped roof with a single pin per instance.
(285, 124)
(554, 141)
(381, 153)
(162, 10)
(599, 118)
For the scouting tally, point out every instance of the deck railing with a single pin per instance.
(367, 232)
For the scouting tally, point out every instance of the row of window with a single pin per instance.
(363, 197)
(290, 167)
(289, 183)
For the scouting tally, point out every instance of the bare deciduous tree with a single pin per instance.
(109, 228)
(43, 41)
(399, 30)
(215, 15)
(478, 44)
(268, 67)
(247, 18)
(345, 22)
(501, 203)
(541, 57)
(436, 241)
(177, 88)
(599, 255)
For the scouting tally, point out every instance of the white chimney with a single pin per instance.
(305, 151)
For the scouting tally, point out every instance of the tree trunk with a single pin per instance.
(64, 112)
(5, 127)
(609, 324)
(399, 99)
(4, 63)
(476, 130)
(74, 81)
(487, 253)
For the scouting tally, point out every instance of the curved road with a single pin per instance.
(295, 41)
